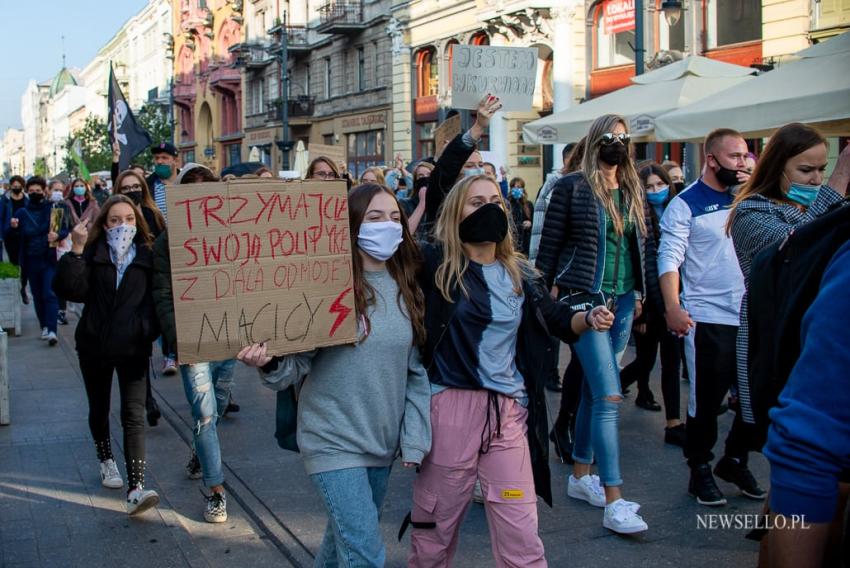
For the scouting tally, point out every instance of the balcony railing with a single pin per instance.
(341, 17)
(250, 55)
(299, 106)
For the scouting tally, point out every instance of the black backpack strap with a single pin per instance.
(409, 522)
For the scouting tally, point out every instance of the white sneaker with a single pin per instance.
(52, 339)
(44, 333)
(588, 488)
(621, 517)
(477, 493)
(140, 500)
(109, 475)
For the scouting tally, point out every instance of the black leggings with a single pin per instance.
(646, 348)
(97, 375)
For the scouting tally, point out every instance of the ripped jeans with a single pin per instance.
(207, 387)
(600, 353)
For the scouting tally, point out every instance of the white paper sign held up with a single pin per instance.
(509, 73)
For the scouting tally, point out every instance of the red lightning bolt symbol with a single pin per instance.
(340, 310)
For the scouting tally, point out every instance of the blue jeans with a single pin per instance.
(207, 387)
(596, 422)
(353, 498)
(45, 301)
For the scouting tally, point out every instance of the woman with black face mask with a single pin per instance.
(594, 249)
(133, 185)
(485, 356)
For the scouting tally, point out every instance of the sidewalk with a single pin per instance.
(54, 512)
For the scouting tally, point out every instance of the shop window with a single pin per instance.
(188, 156)
(365, 149)
(427, 73)
(614, 29)
(733, 21)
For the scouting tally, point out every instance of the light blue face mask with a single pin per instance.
(516, 192)
(803, 194)
(658, 197)
(469, 172)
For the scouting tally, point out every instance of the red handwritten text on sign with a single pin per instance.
(260, 260)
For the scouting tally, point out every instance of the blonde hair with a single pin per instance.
(379, 175)
(455, 262)
(627, 177)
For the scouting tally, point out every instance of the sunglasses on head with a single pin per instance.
(609, 138)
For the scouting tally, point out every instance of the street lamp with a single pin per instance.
(672, 11)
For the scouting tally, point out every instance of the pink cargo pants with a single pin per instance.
(465, 447)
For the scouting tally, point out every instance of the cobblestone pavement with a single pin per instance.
(54, 512)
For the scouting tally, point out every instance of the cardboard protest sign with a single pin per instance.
(509, 73)
(260, 261)
(335, 153)
(445, 133)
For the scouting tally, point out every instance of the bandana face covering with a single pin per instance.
(120, 241)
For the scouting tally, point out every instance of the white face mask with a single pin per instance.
(56, 196)
(380, 240)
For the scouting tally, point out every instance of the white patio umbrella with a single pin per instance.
(814, 90)
(301, 161)
(652, 95)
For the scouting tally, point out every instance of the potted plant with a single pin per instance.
(10, 298)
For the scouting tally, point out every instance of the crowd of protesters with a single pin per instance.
(464, 289)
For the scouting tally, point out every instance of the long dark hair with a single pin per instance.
(147, 198)
(403, 266)
(143, 232)
(787, 142)
(575, 157)
(654, 169)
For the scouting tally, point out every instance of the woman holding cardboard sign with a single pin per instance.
(362, 405)
(109, 269)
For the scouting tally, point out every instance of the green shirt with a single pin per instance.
(625, 278)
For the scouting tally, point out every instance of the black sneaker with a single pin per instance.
(216, 509)
(704, 488)
(231, 407)
(646, 400)
(675, 435)
(554, 384)
(193, 468)
(733, 471)
(61, 318)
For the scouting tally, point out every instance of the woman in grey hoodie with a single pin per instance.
(364, 404)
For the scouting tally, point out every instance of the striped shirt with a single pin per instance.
(159, 197)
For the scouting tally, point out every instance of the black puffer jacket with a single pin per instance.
(117, 323)
(572, 247)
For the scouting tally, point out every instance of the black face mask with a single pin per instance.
(420, 183)
(135, 197)
(17, 190)
(679, 186)
(488, 224)
(726, 176)
(36, 198)
(614, 154)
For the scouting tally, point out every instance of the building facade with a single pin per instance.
(424, 33)
(34, 122)
(12, 153)
(207, 84)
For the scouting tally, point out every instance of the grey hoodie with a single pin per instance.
(360, 404)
